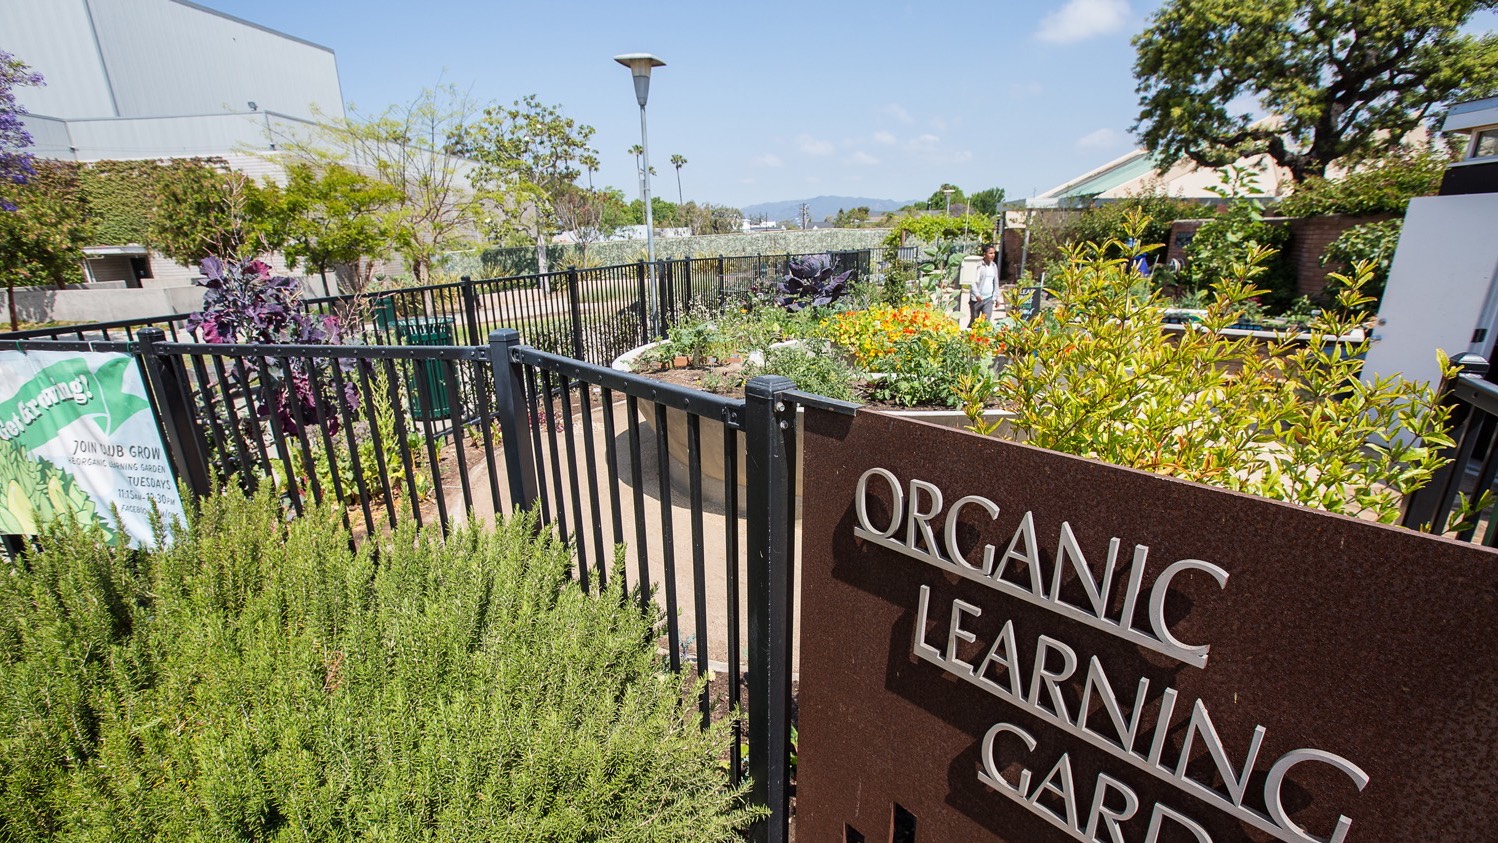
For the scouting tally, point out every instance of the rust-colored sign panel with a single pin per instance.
(1001, 643)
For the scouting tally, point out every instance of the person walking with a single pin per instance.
(985, 287)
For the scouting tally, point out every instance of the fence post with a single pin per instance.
(665, 295)
(1432, 503)
(514, 419)
(722, 283)
(166, 378)
(574, 298)
(770, 456)
(470, 310)
(686, 285)
(645, 331)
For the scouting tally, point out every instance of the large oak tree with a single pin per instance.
(1343, 77)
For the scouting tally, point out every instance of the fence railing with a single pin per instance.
(1474, 458)
(592, 314)
(697, 488)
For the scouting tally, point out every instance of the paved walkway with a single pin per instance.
(603, 483)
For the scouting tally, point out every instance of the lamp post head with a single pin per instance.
(640, 65)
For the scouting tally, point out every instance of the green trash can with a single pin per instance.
(384, 312)
(428, 330)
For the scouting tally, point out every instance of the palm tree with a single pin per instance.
(677, 161)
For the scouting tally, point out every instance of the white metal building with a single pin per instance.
(149, 79)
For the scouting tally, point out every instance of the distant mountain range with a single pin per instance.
(820, 207)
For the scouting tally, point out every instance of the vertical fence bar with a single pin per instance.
(167, 380)
(510, 406)
(731, 594)
(1431, 504)
(574, 301)
(646, 331)
(769, 451)
(699, 566)
(471, 310)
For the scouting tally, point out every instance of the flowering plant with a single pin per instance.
(918, 352)
(244, 303)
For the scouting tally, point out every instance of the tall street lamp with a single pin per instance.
(640, 65)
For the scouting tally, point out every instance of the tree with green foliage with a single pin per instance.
(1383, 185)
(42, 238)
(204, 210)
(1106, 222)
(328, 217)
(1341, 79)
(416, 148)
(986, 201)
(850, 218)
(938, 200)
(678, 161)
(527, 154)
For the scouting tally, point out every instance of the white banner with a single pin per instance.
(78, 439)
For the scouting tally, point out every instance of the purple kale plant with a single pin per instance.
(811, 282)
(245, 304)
(15, 161)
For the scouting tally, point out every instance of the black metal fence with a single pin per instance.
(683, 496)
(1474, 459)
(591, 314)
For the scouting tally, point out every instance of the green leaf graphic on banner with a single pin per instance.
(33, 492)
(65, 392)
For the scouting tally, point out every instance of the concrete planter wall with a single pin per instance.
(710, 440)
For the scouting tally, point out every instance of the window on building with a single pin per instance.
(1485, 144)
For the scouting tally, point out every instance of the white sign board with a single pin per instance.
(78, 439)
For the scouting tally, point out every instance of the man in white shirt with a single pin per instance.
(985, 287)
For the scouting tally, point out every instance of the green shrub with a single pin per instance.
(1225, 243)
(1292, 421)
(822, 374)
(1372, 243)
(1382, 186)
(1106, 223)
(260, 681)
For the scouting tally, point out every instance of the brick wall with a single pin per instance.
(1309, 238)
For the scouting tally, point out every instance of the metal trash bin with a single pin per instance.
(427, 330)
(384, 312)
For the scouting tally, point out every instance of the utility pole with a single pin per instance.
(805, 215)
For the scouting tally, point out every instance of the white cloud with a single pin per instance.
(814, 146)
(884, 137)
(863, 158)
(1079, 20)
(1102, 139)
(962, 157)
(898, 112)
(925, 142)
(769, 159)
(939, 124)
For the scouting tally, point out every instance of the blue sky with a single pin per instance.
(771, 100)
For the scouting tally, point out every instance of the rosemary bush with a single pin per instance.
(260, 681)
